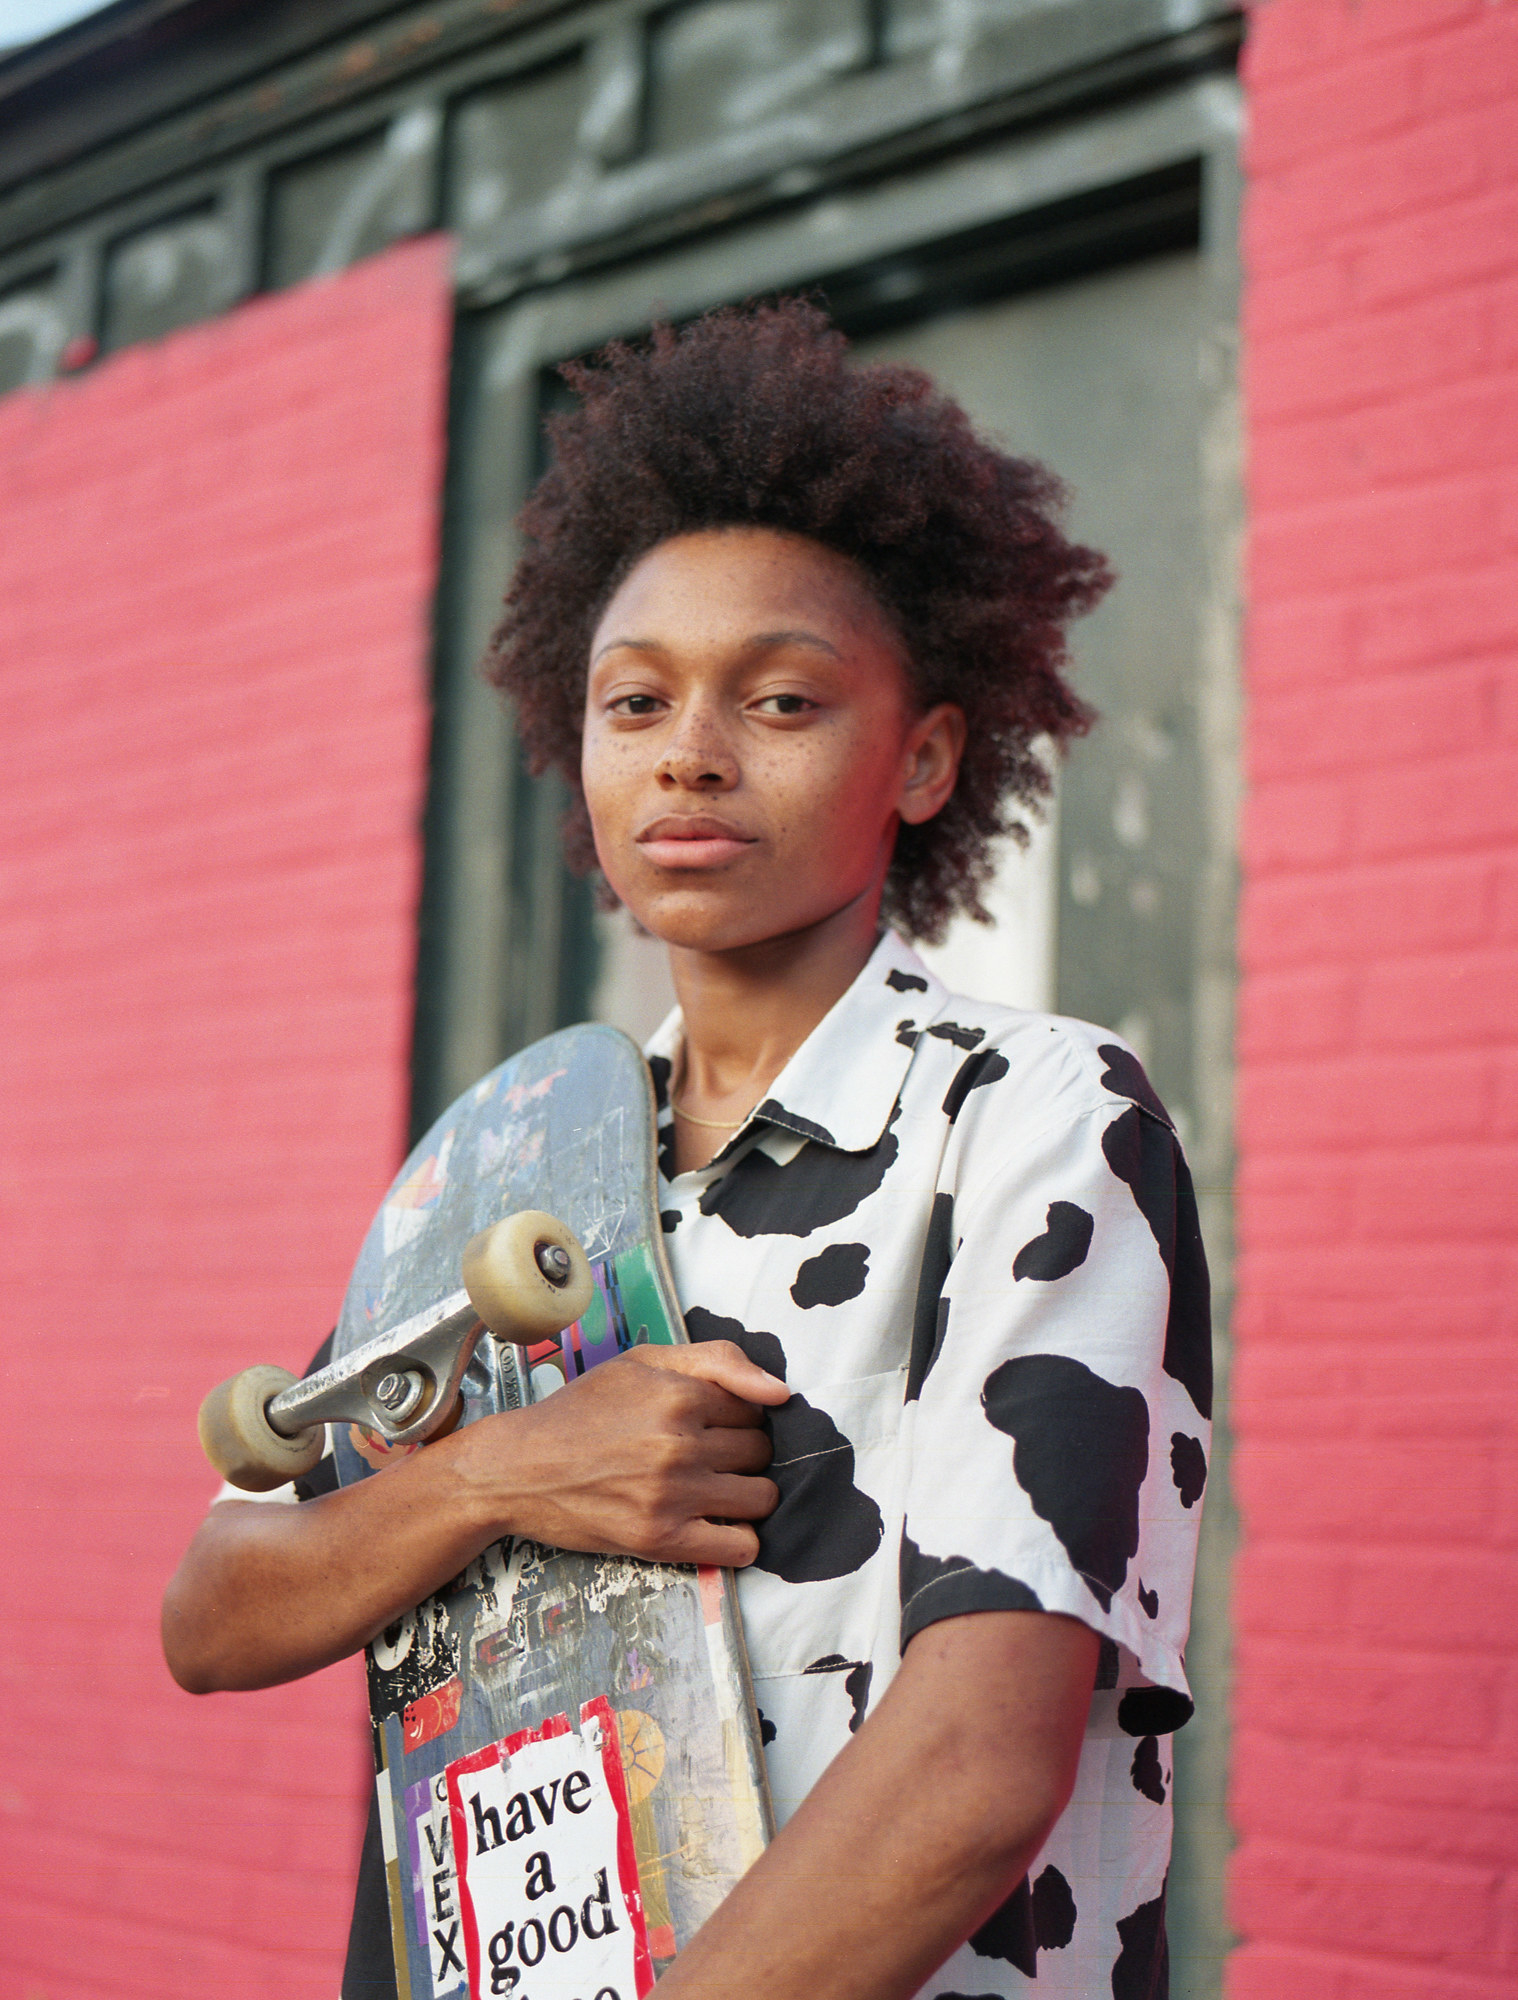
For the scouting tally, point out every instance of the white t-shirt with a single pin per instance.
(966, 1237)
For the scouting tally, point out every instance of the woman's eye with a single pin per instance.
(636, 704)
(786, 704)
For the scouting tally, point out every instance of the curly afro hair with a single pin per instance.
(753, 417)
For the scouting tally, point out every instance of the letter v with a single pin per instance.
(437, 1840)
(546, 1806)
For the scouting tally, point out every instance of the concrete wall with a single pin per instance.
(217, 565)
(1376, 1751)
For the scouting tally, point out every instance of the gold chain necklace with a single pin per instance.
(710, 1124)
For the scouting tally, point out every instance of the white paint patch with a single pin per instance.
(724, 1674)
(616, 1576)
(387, 1824)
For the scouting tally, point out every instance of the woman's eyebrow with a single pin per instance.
(766, 641)
(761, 642)
(630, 645)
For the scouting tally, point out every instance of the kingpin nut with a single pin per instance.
(553, 1261)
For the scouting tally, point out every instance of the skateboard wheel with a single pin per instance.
(238, 1439)
(527, 1277)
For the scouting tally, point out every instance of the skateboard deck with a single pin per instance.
(567, 1755)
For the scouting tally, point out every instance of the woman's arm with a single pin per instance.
(919, 1828)
(654, 1454)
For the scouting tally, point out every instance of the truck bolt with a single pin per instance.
(399, 1392)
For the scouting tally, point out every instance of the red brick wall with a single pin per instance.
(216, 560)
(1376, 1732)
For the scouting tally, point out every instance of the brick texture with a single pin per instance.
(217, 560)
(1375, 1781)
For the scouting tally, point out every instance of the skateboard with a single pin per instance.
(567, 1754)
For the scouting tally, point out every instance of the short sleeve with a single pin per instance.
(1059, 1404)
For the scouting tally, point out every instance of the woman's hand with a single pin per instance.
(658, 1453)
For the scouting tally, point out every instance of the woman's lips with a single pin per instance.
(693, 843)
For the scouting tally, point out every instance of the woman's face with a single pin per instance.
(750, 739)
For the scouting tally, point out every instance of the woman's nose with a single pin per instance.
(698, 754)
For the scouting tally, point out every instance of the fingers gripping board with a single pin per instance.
(566, 1751)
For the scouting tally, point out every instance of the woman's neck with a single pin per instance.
(746, 1012)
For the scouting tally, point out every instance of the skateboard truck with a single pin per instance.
(525, 1279)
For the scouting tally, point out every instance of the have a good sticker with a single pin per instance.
(547, 1876)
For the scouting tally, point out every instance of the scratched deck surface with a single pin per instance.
(527, 1634)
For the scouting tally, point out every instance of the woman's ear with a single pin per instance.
(935, 743)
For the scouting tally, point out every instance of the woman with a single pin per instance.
(791, 631)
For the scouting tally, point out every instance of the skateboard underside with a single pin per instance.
(567, 1755)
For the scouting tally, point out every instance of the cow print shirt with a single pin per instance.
(966, 1237)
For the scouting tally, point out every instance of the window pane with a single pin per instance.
(327, 212)
(725, 64)
(514, 145)
(168, 275)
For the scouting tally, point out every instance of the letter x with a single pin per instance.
(450, 1956)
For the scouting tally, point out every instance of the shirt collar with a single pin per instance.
(841, 1085)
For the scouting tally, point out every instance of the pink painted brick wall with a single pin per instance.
(216, 561)
(1376, 1400)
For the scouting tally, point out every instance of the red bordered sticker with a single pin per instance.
(547, 1873)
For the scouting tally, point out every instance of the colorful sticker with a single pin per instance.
(643, 1761)
(547, 1874)
(641, 1301)
(409, 1207)
(598, 1335)
(517, 1094)
(375, 1451)
(431, 1715)
(643, 1753)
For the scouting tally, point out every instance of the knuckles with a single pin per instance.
(667, 1455)
(651, 1530)
(726, 1351)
